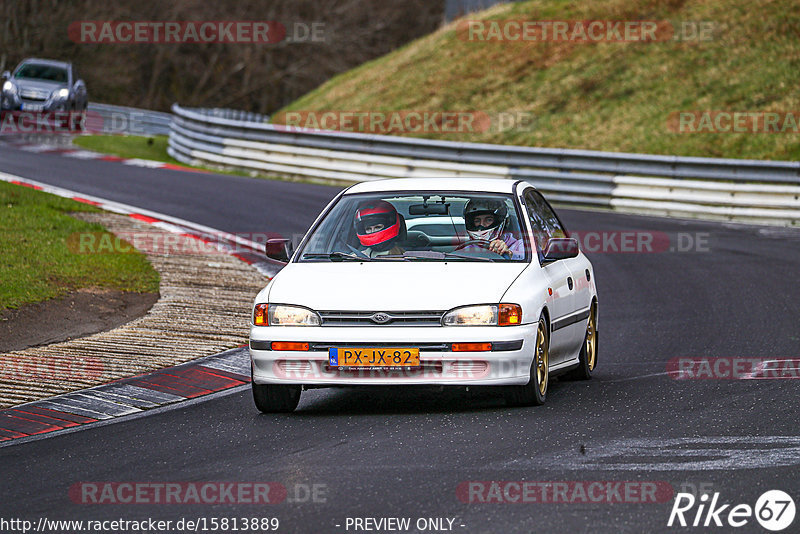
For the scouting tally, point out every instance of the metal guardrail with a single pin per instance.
(106, 118)
(233, 114)
(729, 189)
(135, 121)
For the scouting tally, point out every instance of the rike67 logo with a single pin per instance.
(774, 510)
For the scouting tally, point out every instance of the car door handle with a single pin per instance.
(569, 282)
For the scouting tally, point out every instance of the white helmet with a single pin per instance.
(496, 208)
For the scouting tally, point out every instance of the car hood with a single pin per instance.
(392, 286)
(38, 85)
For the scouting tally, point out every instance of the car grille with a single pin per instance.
(36, 96)
(401, 318)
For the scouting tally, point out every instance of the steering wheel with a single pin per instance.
(481, 243)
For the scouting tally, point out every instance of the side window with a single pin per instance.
(543, 220)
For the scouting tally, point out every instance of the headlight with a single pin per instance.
(471, 316)
(62, 93)
(484, 315)
(284, 315)
(9, 87)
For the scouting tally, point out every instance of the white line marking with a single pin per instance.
(635, 377)
(675, 454)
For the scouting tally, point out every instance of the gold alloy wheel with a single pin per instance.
(591, 339)
(542, 358)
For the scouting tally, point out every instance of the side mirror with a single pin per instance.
(561, 248)
(279, 249)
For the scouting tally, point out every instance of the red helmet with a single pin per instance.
(377, 223)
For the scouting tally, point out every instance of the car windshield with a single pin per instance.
(38, 71)
(419, 227)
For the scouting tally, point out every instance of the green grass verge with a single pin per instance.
(128, 146)
(602, 96)
(38, 256)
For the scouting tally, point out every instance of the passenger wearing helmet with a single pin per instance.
(485, 220)
(378, 227)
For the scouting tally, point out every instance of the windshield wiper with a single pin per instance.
(464, 257)
(406, 256)
(438, 256)
(337, 256)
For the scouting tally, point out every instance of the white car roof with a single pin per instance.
(483, 185)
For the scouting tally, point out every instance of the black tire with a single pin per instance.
(587, 361)
(276, 398)
(534, 393)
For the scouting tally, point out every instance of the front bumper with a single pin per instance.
(508, 363)
(15, 103)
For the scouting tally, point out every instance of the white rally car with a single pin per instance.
(460, 282)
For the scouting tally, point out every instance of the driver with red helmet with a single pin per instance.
(377, 225)
(485, 220)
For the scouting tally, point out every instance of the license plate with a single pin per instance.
(384, 358)
(32, 107)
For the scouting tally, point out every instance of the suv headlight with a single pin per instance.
(9, 87)
(284, 315)
(484, 315)
(61, 94)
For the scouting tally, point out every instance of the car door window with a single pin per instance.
(543, 219)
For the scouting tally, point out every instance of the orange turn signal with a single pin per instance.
(260, 315)
(289, 345)
(509, 314)
(471, 347)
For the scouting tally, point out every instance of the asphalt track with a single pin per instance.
(403, 452)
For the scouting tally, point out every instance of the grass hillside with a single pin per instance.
(613, 96)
